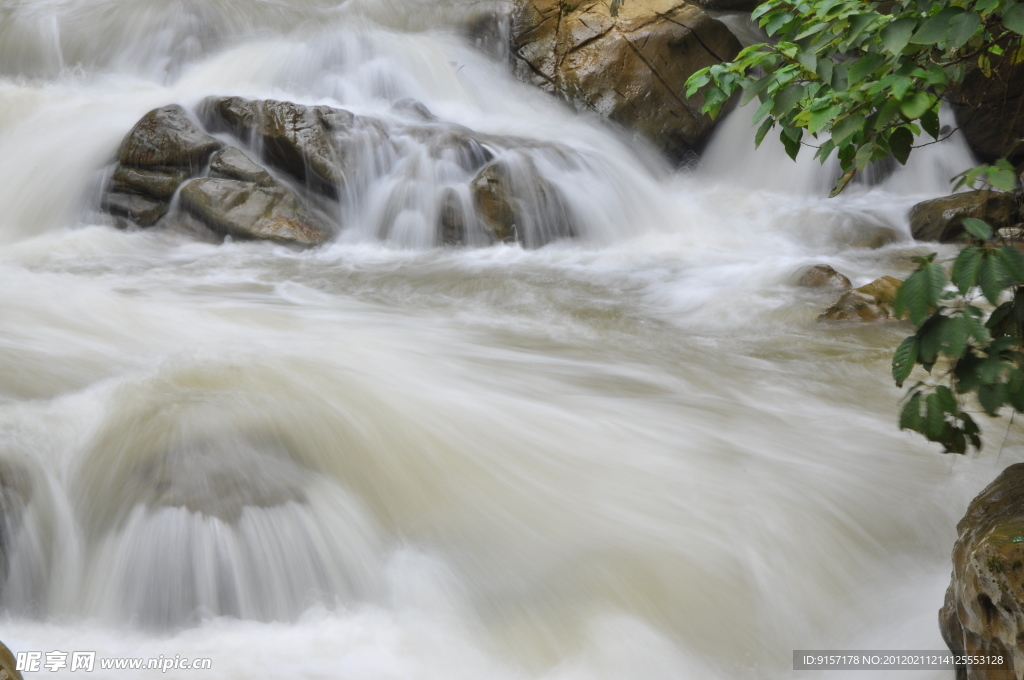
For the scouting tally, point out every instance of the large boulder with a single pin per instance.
(630, 68)
(942, 219)
(871, 302)
(990, 109)
(298, 140)
(983, 613)
(518, 205)
(247, 210)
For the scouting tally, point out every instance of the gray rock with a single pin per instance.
(247, 210)
(143, 211)
(942, 219)
(451, 220)
(157, 184)
(16, 492)
(167, 137)
(230, 163)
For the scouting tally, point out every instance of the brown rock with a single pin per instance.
(248, 211)
(941, 219)
(983, 612)
(824, 276)
(8, 664)
(143, 211)
(870, 302)
(230, 163)
(630, 68)
(516, 204)
(156, 184)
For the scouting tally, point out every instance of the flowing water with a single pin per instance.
(630, 455)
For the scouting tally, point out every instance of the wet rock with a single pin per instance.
(298, 140)
(451, 220)
(140, 210)
(414, 109)
(167, 137)
(630, 68)
(9, 663)
(230, 163)
(941, 219)
(249, 211)
(156, 184)
(824, 276)
(990, 109)
(488, 31)
(983, 611)
(462, 149)
(517, 205)
(870, 302)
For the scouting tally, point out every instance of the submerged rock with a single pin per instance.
(630, 68)
(824, 276)
(518, 205)
(942, 219)
(451, 220)
(870, 302)
(15, 494)
(247, 210)
(984, 608)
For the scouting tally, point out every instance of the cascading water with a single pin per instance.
(628, 454)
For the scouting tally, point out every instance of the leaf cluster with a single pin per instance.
(864, 79)
(979, 352)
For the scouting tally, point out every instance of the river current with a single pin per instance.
(634, 454)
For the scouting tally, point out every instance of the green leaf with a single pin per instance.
(962, 28)
(903, 360)
(954, 336)
(1013, 19)
(846, 128)
(777, 22)
(1001, 178)
(978, 228)
(821, 117)
(920, 292)
(910, 417)
(916, 104)
(864, 66)
(787, 99)
(935, 418)
(966, 268)
(792, 145)
(824, 70)
(992, 277)
(901, 141)
(992, 397)
(930, 122)
(896, 35)
(946, 399)
(935, 29)
(1013, 262)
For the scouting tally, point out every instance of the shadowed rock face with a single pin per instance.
(942, 219)
(518, 205)
(298, 140)
(990, 110)
(984, 608)
(630, 68)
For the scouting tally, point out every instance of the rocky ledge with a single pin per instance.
(285, 172)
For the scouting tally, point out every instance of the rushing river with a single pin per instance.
(631, 455)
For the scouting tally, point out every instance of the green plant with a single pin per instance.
(965, 349)
(864, 79)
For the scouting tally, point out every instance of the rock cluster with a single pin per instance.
(311, 162)
(984, 609)
(870, 302)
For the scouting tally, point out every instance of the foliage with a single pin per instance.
(865, 79)
(959, 342)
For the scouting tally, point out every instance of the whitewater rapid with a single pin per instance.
(631, 455)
